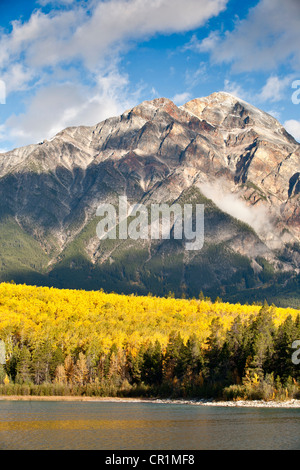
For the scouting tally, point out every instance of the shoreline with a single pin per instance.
(293, 403)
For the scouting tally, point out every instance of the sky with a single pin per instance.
(67, 63)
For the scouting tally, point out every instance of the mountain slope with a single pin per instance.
(219, 150)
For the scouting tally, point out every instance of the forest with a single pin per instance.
(73, 342)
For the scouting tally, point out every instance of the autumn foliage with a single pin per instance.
(94, 343)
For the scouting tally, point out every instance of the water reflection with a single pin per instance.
(118, 426)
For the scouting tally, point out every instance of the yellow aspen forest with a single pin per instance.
(87, 340)
(93, 321)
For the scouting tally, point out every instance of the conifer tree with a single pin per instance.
(23, 369)
(286, 334)
(152, 364)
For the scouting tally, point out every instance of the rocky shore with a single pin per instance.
(201, 402)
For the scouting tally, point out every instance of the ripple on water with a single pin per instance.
(147, 426)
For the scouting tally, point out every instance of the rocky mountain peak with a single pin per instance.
(236, 156)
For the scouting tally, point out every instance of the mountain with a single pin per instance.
(218, 151)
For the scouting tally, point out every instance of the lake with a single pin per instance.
(33, 425)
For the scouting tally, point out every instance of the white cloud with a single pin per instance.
(275, 114)
(274, 88)
(233, 204)
(17, 78)
(181, 98)
(268, 37)
(63, 56)
(194, 77)
(49, 39)
(273, 91)
(2, 92)
(57, 106)
(206, 45)
(119, 20)
(236, 90)
(154, 93)
(293, 127)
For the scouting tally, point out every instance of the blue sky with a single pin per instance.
(68, 63)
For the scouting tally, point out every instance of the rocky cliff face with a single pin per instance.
(219, 150)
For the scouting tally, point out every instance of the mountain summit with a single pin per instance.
(219, 151)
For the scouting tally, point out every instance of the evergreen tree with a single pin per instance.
(135, 363)
(2, 373)
(286, 334)
(57, 358)
(11, 366)
(152, 364)
(262, 331)
(213, 354)
(235, 351)
(175, 357)
(23, 368)
(41, 359)
(194, 355)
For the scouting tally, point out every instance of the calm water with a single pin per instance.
(144, 426)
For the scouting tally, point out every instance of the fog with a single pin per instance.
(257, 217)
